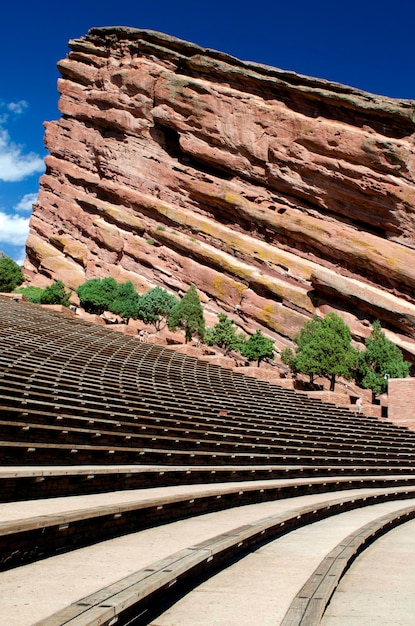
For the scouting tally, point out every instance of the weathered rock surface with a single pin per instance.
(275, 194)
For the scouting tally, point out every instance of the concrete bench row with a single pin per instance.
(311, 601)
(86, 381)
(154, 370)
(175, 430)
(31, 538)
(32, 483)
(59, 427)
(80, 402)
(141, 596)
(83, 403)
(24, 420)
(38, 453)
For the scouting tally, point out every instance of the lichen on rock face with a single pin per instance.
(274, 193)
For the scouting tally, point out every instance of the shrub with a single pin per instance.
(55, 294)
(288, 358)
(155, 306)
(380, 360)
(11, 275)
(31, 293)
(96, 294)
(126, 301)
(258, 348)
(224, 335)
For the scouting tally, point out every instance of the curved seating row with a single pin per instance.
(30, 538)
(85, 411)
(311, 601)
(145, 593)
(33, 483)
(240, 420)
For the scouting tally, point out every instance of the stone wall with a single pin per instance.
(401, 409)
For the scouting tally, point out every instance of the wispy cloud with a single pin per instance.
(13, 229)
(15, 163)
(17, 107)
(25, 204)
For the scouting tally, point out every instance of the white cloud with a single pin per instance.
(17, 107)
(13, 229)
(25, 204)
(14, 164)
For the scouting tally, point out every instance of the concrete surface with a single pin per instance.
(379, 590)
(34, 591)
(259, 589)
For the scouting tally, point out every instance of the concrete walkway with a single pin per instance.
(380, 587)
(259, 588)
(32, 592)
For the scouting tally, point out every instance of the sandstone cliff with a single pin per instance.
(275, 194)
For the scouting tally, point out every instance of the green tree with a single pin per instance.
(126, 302)
(307, 332)
(324, 349)
(381, 360)
(188, 314)
(55, 294)
(11, 275)
(288, 357)
(224, 335)
(155, 306)
(258, 348)
(96, 294)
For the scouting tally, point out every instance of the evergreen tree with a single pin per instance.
(96, 294)
(381, 360)
(258, 348)
(11, 275)
(55, 294)
(302, 339)
(155, 306)
(126, 302)
(324, 349)
(307, 332)
(224, 335)
(188, 314)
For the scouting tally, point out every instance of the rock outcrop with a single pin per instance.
(276, 194)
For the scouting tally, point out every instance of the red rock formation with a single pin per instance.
(275, 194)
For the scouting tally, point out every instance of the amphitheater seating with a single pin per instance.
(309, 604)
(85, 411)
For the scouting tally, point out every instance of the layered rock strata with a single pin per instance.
(277, 195)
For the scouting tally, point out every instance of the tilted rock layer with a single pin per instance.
(277, 195)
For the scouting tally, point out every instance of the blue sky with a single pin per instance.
(364, 43)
